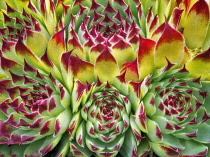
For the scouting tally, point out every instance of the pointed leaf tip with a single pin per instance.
(199, 66)
(169, 45)
(56, 47)
(81, 68)
(106, 66)
(131, 70)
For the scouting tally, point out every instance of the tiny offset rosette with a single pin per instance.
(174, 113)
(103, 124)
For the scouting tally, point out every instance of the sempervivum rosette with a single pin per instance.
(35, 103)
(103, 124)
(173, 113)
(32, 113)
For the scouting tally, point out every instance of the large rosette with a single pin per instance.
(103, 124)
(33, 108)
(174, 113)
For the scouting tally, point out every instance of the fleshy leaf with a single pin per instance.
(122, 52)
(166, 126)
(94, 144)
(8, 50)
(163, 150)
(154, 132)
(171, 46)
(175, 17)
(80, 134)
(49, 143)
(129, 146)
(106, 66)
(95, 51)
(56, 47)
(131, 71)
(24, 53)
(62, 122)
(119, 82)
(207, 40)
(78, 49)
(15, 149)
(198, 21)
(77, 94)
(148, 101)
(193, 148)
(143, 148)
(203, 136)
(33, 148)
(146, 57)
(80, 68)
(78, 151)
(10, 65)
(75, 121)
(65, 70)
(63, 146)
(199, 66)
(140, 118)
(134, 96)
(36, 42)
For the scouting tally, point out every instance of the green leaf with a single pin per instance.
(149, 100)
(18, 149)
(136, 130)
(80, 134)
(33, 148)
(207, 40)
(90, 129)
(143, 148)
(134, 94)
(129, 144)
(78, 151)
(194, 148)
(94, 144)
(63, 146)
(172, 141)
(75, 121)
(77, 94)
(203, 135)
(120, 85)
(117, 143)
(184, 134)
(165, 125)
(140, 118)
(59, 108)
(65, 97)
(5, 150)
(154, 133)
(62, 122)
(49, 143)
(163, 150)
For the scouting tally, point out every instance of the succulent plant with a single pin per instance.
(173, 112)
(34, 111)
(104, 78)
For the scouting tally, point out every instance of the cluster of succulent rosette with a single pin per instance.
(82, 78)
